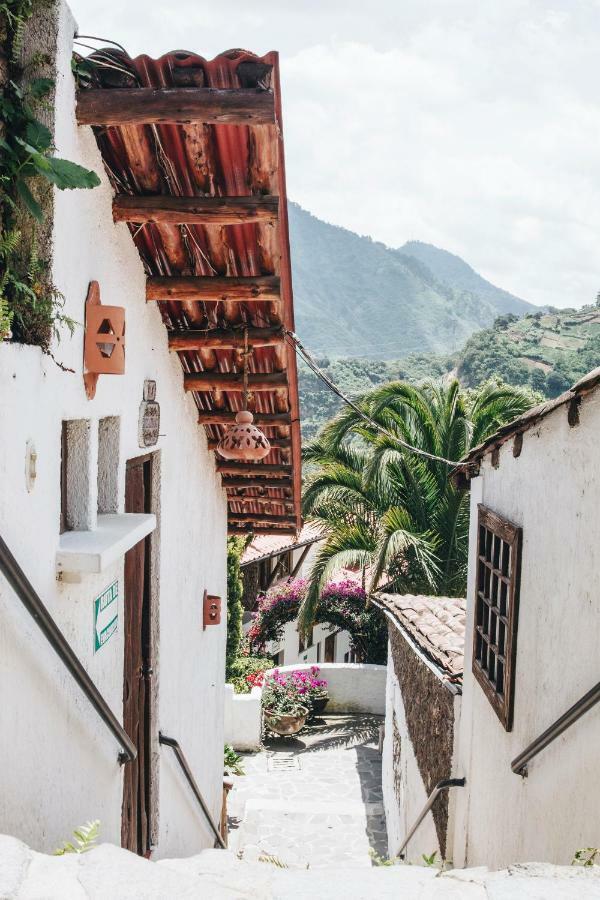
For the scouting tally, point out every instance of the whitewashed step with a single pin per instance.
(110, 873)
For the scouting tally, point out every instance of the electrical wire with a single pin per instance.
(310, 361)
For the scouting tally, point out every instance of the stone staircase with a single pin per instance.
(110, 873)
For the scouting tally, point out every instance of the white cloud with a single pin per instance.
(474, 125)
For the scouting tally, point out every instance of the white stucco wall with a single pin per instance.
(553, 492)
(58, 762)
(352, 687)
(243, 720)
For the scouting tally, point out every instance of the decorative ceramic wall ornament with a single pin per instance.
(244, 440)
(104, 341)
(149, 417)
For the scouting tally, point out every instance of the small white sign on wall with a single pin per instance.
(106, 615)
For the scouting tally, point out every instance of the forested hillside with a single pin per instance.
(356, 297)
(547, 352)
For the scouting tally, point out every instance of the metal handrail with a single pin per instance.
(174, 745)
(36, 609)
(575, 712)
(440, 786)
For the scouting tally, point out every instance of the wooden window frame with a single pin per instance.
(64, 450)
(490, 578)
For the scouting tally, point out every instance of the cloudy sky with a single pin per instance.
(471, 124)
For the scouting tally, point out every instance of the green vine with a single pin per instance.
(31, 308)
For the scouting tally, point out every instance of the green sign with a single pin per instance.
(106, 615)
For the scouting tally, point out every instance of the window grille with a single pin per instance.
(496, 611)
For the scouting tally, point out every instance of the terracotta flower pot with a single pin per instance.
(283, 723)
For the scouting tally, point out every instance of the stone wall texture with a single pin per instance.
(429, 710)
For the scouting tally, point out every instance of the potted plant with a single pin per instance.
(283, 709)
(313, 689)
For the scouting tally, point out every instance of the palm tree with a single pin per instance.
(386, 509)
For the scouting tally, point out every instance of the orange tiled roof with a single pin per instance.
(436, 624)
(266, 545)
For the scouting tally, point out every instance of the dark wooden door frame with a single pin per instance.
(329, 648)
(137, 813)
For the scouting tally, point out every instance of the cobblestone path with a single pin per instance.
(314, 800)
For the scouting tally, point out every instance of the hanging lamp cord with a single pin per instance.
(247, 354)
(312, 364)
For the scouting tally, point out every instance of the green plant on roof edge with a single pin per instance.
(31, 308)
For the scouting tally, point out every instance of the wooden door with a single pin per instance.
(329, 648)
(135, 821)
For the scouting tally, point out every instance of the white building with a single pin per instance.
(526, 735)
(268, 560)
(119, 523)
(423, 694)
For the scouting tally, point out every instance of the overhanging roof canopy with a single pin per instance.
(194, 151)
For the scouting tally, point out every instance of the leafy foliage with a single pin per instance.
(342, 605)
(389, 510)
(29, 303)
(243, 668)
(235, 590)
(85, 838)
(547, 352)
(585, 857)
(232, 761)
(283, 696)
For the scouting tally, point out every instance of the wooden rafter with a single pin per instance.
(170, 210)
(213, 288)
(209, 417)
(225, 339)
(260, 518)
(233, 381)
(253, 483)
(226, 467)
(146, 106)
(272, 529)
(262, 501)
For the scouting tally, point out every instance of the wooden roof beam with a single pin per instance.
(262, 501)
(153, 106)
(284, 484)
(225, 339)
(170, 210)
(209, 417)
(260, 519)
(227, 467)
(233, 381)
(213, 288)
(272, 529)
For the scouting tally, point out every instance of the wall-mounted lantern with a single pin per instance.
(104, 342)
(212, 610)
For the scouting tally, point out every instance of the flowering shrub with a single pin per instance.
(283, 695)
(343, 605)
(275, 608)
(246, 668)
(255, 679)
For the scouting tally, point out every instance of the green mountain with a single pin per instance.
(454, 271)
(545, 351)
(355, 297)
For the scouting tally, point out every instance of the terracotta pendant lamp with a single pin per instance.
(244, 441)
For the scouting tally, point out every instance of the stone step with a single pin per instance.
(108, 872)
